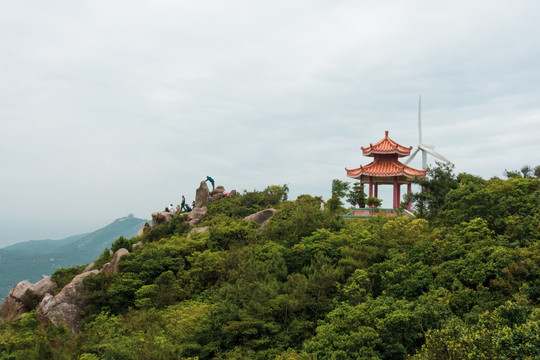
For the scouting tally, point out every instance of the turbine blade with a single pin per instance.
(412, 156)
(437, 155)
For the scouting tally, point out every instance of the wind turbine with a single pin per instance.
(425, 148)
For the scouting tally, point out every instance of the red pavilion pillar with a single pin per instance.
(408, 196)
(396, 192)
(398, 197)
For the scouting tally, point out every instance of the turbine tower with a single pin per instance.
(425, 148)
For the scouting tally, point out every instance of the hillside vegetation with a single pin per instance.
(462, 280)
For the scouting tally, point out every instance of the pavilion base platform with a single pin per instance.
(370, 212)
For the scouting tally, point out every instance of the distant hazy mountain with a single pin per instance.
(30, 260)
(42, 246)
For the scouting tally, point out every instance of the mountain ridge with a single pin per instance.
(45, 246)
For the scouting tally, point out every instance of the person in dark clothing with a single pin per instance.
(183, 203)
(208, 178)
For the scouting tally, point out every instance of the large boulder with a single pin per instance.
(65, 308)
(261, 217)
(24, 297)
(201, 195)
(89, 267)
(13, 307)
(218, 190)
(112, 267)
(194, 216)
(35, 293)
(161, 217)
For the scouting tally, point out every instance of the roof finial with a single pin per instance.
(386, 133)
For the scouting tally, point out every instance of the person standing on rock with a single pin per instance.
(183, 204)
(208, 178)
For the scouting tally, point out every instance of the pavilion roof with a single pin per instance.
(386, 146)
(384, 168)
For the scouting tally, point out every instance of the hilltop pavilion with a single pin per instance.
(385, 169)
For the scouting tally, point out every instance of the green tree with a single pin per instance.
(339, 190)
(356, 195)
(435, 186)
(121, 243)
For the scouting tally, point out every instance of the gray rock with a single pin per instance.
(136, 245)
(89, 267)
(112, 267)
(161, 217)
(35, 293)
(24, 297)
(194, 216)
(201, 195)
(18, 290)
(65, 307)
(144, 229)
(43, 286)
(218, 190)
(217, 196)
(12, 308)
(232, 193)
(261, 217)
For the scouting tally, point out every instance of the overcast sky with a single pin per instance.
(116, 107)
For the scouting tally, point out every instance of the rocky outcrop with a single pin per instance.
(161, 217)
(89, 267)
(261, 217)
(144, 229)
(201, 195)
(35, 293)
(112, 267)
(12, 307)
(24, 297)
(194, 216)
(65, 307)
(219, 193)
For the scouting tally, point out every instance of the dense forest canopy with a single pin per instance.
(461, 280)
